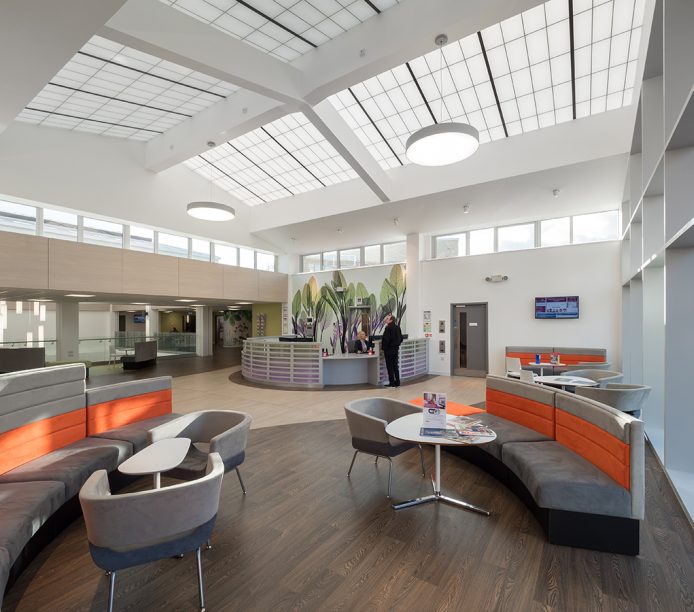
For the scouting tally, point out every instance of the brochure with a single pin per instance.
(432, 432)
(434, 411)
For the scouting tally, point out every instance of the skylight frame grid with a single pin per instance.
(285, 30)
(148, 97)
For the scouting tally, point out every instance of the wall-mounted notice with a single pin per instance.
(285, 318)
(260, 324)
(427, 323)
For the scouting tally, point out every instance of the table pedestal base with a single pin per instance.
(437, 497)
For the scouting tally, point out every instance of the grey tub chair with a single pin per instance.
(367, 419)
(128, 530)
(602, 377)
(627, 398)
(210, 431)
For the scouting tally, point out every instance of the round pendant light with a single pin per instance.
(443, 143)
(210, 211)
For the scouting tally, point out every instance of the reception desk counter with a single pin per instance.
(300, 364)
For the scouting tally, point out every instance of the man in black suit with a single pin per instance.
(392, 339)
(362, 344)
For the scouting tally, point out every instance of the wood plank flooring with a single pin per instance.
(308, 538)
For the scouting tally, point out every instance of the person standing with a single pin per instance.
(390, 344)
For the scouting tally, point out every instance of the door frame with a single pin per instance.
(452, 339)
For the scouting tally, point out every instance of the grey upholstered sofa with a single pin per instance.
(22, 358)
(568, 355)
(145, 354)
(577, 463)
(49, 447)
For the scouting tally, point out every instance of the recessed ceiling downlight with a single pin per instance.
(211, 211)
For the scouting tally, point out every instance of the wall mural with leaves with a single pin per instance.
(331, 304)
(233, 327)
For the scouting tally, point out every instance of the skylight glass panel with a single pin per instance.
(278, 160)
(117, 91)
(282, 28)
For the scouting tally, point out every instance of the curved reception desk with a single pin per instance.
(300, 364)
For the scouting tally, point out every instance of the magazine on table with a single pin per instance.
(434, 411)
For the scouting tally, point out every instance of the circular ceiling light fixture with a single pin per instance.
(211, 211)
(443, 143)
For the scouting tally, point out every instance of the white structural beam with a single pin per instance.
(152, 27)
(334, 129)
(37, 38)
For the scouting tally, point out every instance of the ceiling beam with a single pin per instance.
(37, 38)
(152, 27)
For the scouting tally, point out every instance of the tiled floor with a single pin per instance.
(268, 407)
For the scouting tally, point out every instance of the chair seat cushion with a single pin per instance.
(395, 448)
(195, 463)
(24, 507)
(136, 433)
(5, 566)
(560, 479)
(506, 432)
(72, 464)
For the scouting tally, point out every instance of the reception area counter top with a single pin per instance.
(300, 364)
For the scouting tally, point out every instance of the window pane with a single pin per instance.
(516, 237)
(177, 246)
(265, 261)
(103, 233)
(330, 260)
(350, 258)
(17, 218)
(141, 239)
(200, 249)
(482, 241)
(372, 255)
(596, 226)
(395, 252)
(311, 263)
(225, 254)
(246, 258)
(450, 246)
(555, 232)
(57, 224)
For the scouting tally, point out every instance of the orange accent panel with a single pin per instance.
(576, 359)
(527, 357)
(451, 407)
(120, 412)
(529, 413)
(33, 440)
(594, 444)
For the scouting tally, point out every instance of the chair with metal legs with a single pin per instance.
(367, 419)
(126, 530)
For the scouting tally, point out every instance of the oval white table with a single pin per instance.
(158, 457)
(407, 428)
(565, 381)
(544, 365)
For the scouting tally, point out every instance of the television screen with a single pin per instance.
(139, 317)
(556, 307)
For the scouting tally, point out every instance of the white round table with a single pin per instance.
(158, 457)
(565, 381)
(544, 365)
(407, 428)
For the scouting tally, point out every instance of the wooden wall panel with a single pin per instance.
(149, 274)
(200, 279)
(240, 283)
(23, 261)
(84, 267)
(272, 286)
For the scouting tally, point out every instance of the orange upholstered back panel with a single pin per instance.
(576, 359)
(453, 408)
(126, 410)
(529, 413)
(33, 440)
(528, 357)
(602, 449)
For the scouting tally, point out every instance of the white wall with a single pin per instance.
(591, 271)
(92, 324)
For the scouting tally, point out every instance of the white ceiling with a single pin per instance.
(286, 114)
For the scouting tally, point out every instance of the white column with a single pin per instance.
(151, 321)
(413, 315)
(203, 331)
(67, 318)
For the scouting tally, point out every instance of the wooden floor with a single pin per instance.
(307, 538)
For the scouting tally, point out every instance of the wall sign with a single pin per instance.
(442, 326)
(427, 323)
(442, 346)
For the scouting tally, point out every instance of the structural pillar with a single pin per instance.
(203, 331)
(151, 322)
(67, 323)
(414, 282)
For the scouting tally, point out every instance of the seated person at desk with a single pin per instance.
(362, 344)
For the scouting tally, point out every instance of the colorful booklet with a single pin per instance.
(434, 411)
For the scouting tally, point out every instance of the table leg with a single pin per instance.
(437, 497)
(157, 480)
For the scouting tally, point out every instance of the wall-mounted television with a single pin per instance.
(139, 317)
(564, 307)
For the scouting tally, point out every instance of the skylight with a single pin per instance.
(280, 159)
(510, 78)
(285, 29)
(113, 90)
